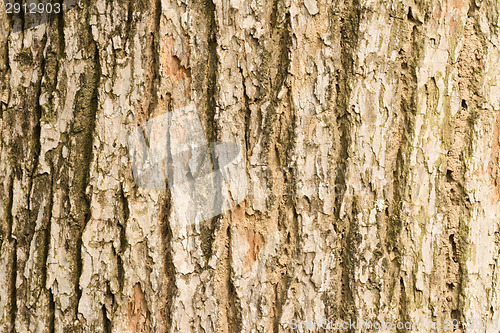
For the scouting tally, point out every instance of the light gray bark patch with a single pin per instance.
(312, 6)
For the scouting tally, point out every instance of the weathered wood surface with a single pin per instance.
(370, 132)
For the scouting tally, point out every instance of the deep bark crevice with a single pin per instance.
(349, 35)
(46, 245)
(13, 288)
(408, 59)
(122, 225)
(52, 312)
(234, 305)
(248, 114)
(60, 30)
(212, 70)
(170, 288)
(279, 60)
(82, 136)
(470, 74)
(10, 242)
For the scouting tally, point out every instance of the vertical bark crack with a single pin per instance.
(234, 306)
(349, 35)
(169, 290)
(212, 70)
(81, 153)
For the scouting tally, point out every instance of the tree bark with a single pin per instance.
(370, 134)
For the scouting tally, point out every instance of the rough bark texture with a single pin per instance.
(371, 137)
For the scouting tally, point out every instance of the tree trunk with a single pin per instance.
(370, 135)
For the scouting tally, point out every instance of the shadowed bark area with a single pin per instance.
(369, 132)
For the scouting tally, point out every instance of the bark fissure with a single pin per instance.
(170, 283)
(46, 244)
(349, 34)
(234, 304)
(80, 145)
(212, 70)
(13, 288)
(470, 73)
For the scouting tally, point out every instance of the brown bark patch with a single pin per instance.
(255, 242)
(458, 9)
(172, 66)
(138, 319)
(493, 165)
